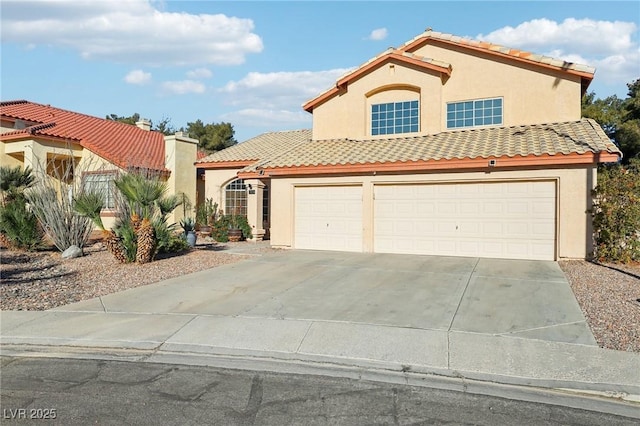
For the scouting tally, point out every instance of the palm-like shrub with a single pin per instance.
(14, 180)
(141, 229)
(19, 226)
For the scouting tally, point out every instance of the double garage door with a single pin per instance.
(511, 220)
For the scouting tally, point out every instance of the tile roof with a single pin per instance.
(259, 147)
(578, 137)
(121, 144)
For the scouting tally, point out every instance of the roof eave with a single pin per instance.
(233, 164)
(426, 40)
(502, 162)
(341, 85)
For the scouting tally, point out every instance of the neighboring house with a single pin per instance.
(444, 146)
(47, 138)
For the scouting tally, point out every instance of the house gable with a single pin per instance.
(446, 73)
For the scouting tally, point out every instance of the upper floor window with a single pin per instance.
(235, 197)
(481, 112)
(394, 117)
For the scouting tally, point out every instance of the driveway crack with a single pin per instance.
(453, 317)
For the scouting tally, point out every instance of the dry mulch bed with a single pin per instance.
(608, 294)
(43, 280)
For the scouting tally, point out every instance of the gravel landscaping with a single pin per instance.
(608, 294)
(43, 280)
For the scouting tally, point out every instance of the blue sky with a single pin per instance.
(255, 63)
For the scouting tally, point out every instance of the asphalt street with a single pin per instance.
(84, 391)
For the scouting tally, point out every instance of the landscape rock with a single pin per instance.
(72, 252)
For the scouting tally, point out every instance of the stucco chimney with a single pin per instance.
(144, 124)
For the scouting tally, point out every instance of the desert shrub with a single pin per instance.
(57, 216)
(224, 222)
(175, 243)
(169, 240)
(616, 213)
(206, 213)
(20, 226)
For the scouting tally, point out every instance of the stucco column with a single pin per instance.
(180, 156)
(255, 191)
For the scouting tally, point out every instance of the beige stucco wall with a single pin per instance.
(215, 181)
(530, 94)
(573, 221)
(37, 154)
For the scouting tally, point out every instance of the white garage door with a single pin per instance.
(328, 218)
(511, 220)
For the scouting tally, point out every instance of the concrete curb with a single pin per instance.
(617, 403)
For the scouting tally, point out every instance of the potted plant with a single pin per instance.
(238, 228)
(188, 224)
(206, 216)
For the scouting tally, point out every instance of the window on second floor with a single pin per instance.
(395, 117)
(479, 112)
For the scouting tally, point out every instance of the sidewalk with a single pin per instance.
(239, 338)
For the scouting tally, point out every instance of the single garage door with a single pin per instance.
(328, 218)
(510, 220)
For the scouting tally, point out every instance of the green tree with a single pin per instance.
(620, 119)
(164, 126)
(212, 137)
(628, 133)
(128, 120)
(616, 213)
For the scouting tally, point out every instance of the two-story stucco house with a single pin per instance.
(443, 146)
(46, 138)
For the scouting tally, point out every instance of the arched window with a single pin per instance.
(235, 198)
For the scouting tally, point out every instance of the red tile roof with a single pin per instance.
(122, 144)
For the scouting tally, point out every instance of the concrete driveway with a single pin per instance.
(527, 299)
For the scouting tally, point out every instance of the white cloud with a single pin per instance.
(130, 31)
(278, 90)
(583, 35)
(138, 77)
(199, 73)
(378, 34)
(269, 118)
(276, 98)
(183, 87)
(607, 45)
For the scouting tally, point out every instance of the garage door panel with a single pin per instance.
(328, 218)
(507, 220)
